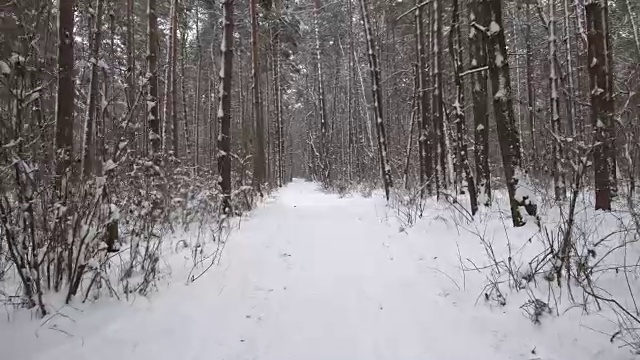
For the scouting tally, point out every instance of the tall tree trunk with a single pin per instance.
(425, 157)
(277, 80)
(438, 106)
(131, 56)
(385, 167)
(224, 103)
(89, 145)
(461, 155)
(152, 95)
(65, 100)
(350, 89)
(602, 103)
(505, 120)
(324, 161)
(196, 106)
(173, 48)
(554, 104)
(479, 14)
(259, 170)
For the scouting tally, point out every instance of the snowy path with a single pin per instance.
(314, 277)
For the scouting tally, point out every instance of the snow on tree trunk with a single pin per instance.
(425, 156)
(152, 76)
(554, 104)
(324, 161)
(479, 14)
(600, 65)
(531, 101)
(439, 144)
(385, 167)
(461, 156)
(65, 169)
(224, 104)
(519, 194)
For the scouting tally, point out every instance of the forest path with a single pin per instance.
(310, 276)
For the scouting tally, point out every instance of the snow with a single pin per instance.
(4, 68)
(314, 276)
(494, 28)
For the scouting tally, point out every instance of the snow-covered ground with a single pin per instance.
(314, 276)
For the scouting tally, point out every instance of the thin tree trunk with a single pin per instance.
(196, 106)
(531, 106)
(425, 156)
(174, 77)
(324, 161)
(438, 106)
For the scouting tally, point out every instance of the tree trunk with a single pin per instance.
(224, 104)
(479, 13)
(258, 157)
(385, 167)
(152, 95)
(89, 145)
(424, 154)
(554, 104)
(65, 100)
(461, 155)
(173, 64)
(324, 161)
(505, 120)
(602, 103)
(438, 106)
(196, 106)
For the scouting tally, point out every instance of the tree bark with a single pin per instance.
(224, 104)
(65, 99)
(259, 170)
(152, 76)
(385, 167)
(505, 120)
(89, 145)
(479, 14)
(461, 155)
(602, 103)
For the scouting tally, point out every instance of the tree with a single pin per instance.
(385, 167)
(224, 104)
(152, 78)
(600, 63)
(89, 146)
(462, 162)
(503, 111)
(259, 169)
(479, 14)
